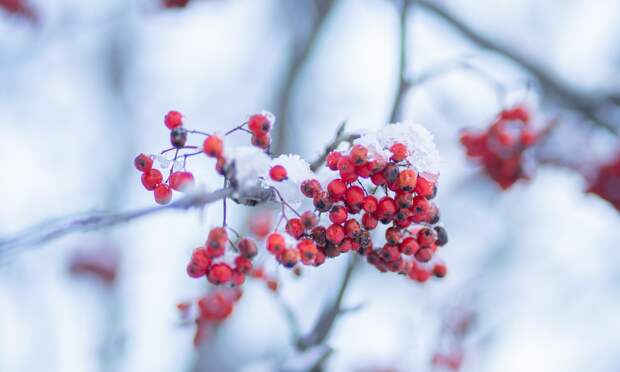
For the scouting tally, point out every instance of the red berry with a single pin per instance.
(276, 243)
(319, 235)
(420, 206)
(407, 180)
(354, 196)
(195, 271)
(359, 155)
(289, 257)
(392, 235)
(213, 146)
(181, 181)
(262, 141)
(427, 236)
(307, 250)
(370, 204)
(220, 273)
(260, 124)
(295, 228)
(346, 245)
(352, 228)
(378, 179)
(309, 220)
(408, 246)
(322, 202)
(404, 200)
(278, 173)
(310, 187)
(163, 194)
(243, 264)
(391, 173)
(369, 221)
(151, 178)
(173, 120)
(143, 163)
(399, 152)
(424, 254)
(338, 214)
(237, 278)
(389, 252)
(332, 160)
(247, 248)
(363, 171)
(220, 165)
(377, 164)
(345, 165)
(335, 234)
(386, 209)
(425, 187)
(440, 269)
(336, 189)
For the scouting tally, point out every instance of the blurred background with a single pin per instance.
(84, 86)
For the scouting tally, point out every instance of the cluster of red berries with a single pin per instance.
(259, 125)
(19, 7)
(606, 182)
(213, 308)
(354, 213)
(501, 148)
(208, 259)
(218, 305)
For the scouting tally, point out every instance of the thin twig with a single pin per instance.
(589, 105)
(403, 83)
(340, 137)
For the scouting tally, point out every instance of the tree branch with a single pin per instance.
(403, 83)
(298, 62)
(340, 137)
(51, 230)
(588, 105)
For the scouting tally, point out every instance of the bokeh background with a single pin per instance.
(84, 86)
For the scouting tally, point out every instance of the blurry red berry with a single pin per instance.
(162, 193)
(181, 181)
(399, 152)
(151, 178)
(173, 120)
(143, 163)
(213, 146)
(278, 173)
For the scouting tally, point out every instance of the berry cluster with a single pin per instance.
(19, 7)
(411, 238)
(213, 146)
(606, 181)
(208, 260)
(502, 147)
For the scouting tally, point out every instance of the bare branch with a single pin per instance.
(299, 58)
(589, 105)
(60, 227)
(403, 84)
(330, 312)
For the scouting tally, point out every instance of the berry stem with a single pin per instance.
(240, 127)
(284, 203)
(174, 148)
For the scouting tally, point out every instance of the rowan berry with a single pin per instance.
(440, 270)
(334, 234)
(295, 228)
(369, 221)
(247, 248)
(408, 246)
(178, 137)
(322, 202)
(151, 178)
(354, 196)
(213, 146)
(338, 214)
(352, 228)
(307, 250)
(399, 152)
(407, 180)
(260, 124)
(143, 163)
(336, 189)
(332, 160)
(162, 194)
(243, 264)
(310, 187)
(358, 155)
(427, 236)
(425, 187)
(289, 257)
(370, 204)
(262, 141)
(319, 235)
(181, 181)
(392, 235)
(173, 120)
(309, 220)
(219, 273)
(276, 243)
(386, 209)
(278, 173)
